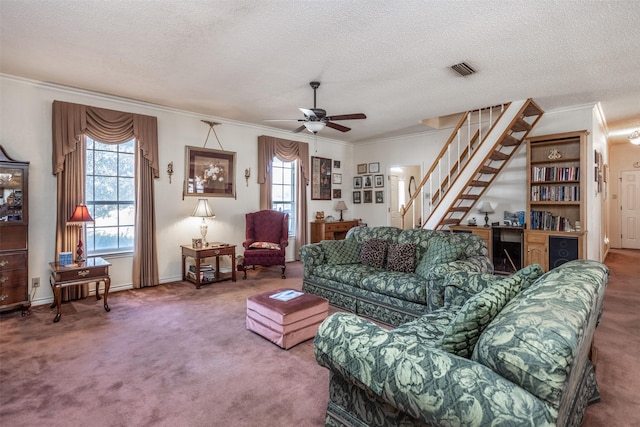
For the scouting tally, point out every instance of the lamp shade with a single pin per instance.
(485, 207)
(203, 209)
(80, 216)
(314, 127)
(341, 206)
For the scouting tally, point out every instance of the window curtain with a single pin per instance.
(71, 122)
(287, 151)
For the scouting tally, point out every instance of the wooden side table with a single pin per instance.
(212, 251)
(94, 269)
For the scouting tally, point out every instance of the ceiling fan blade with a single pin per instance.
(284, 120)
(301, 128)
(348, 117)
(307, 112)
(337, 127)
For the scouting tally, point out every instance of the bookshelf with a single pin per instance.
(556, 186)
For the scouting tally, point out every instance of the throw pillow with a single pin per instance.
(373, 253)
(465, 329)
(530, 274)
(341, 251)
(459, 286)
(401, 257)
(264, 245)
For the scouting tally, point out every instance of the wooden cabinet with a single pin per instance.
(330, 230)
(556, 186)
(14, 226)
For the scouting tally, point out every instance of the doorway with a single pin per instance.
(403, 181)
(630, 209)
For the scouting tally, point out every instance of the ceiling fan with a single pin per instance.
(315, 119)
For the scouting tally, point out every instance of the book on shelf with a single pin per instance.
(203, 267)
(205, 276)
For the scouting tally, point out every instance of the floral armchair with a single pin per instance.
(267, 236)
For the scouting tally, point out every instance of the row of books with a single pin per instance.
(555, 193)
(541, 220)
(554, 173)
(207, 272)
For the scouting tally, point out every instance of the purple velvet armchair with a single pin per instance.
(267, 237)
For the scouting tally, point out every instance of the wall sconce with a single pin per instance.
(170, 170)
(634, 138)
(247, 175)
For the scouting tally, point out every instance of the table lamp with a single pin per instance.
(486, 209)
(203, 210)
(341, 206)
(80, 217)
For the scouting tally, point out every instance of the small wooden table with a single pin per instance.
(213, 250)
(94, 269)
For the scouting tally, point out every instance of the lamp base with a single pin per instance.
(79, 252)
(341, 216)
(486, 220)
(203, 233)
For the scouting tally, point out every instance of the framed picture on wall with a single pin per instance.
(378, 181)
(337, 178)
(320, 178)
(374, 167)
(379, 196)
(356, 197)
(337, 194)
(336, 164)
(368, 181)
(362, 168)
(368, 196)
(209, 173)
(357, 182)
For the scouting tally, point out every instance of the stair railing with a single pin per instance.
(453, 157)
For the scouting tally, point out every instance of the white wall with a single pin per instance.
(25, 134)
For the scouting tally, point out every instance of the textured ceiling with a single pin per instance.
(253, 60)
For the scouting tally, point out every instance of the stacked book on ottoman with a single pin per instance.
(286, 317)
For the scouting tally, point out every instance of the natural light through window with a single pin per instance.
(283, 179)
(110, 194)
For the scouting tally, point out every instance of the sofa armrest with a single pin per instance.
(311, 256)
(427, 383)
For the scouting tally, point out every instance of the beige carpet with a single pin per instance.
(176, 356)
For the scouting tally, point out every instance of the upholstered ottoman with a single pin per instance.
(285, 323)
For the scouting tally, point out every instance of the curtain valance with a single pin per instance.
(71, 121)
(286, 150)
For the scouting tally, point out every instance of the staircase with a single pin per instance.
(477, 150)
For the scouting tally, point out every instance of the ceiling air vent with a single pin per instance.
(463, 69)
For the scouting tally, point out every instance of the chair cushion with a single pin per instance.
(439, 251)
(463, 332)
(341, 251)
(401, 257)
(374, 253)
(265, 245)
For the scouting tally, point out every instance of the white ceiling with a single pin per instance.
(251, 60)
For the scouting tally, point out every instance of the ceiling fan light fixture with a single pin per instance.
(314, 127)
(634, 138)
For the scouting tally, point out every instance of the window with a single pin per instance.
(110, 193)
(283, 190)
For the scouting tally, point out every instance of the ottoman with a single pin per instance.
(285, 323)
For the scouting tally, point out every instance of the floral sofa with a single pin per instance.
(501, 351)
(388, 274)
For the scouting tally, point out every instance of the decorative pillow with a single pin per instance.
(401, 257)
(264, 245)
(465, 329)
(459, 286)
(442, 250)
(374, 252)
(341, 251)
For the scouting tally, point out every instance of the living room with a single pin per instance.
(25, 112)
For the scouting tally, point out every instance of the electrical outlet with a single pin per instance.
(35, 282)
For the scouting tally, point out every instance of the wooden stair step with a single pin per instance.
(520, 126)
(450, 221)
(468, 197)
(488, 170)
(509, 141)
(477, 183)
(498, 155)
(460, 209)
(532, 110)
